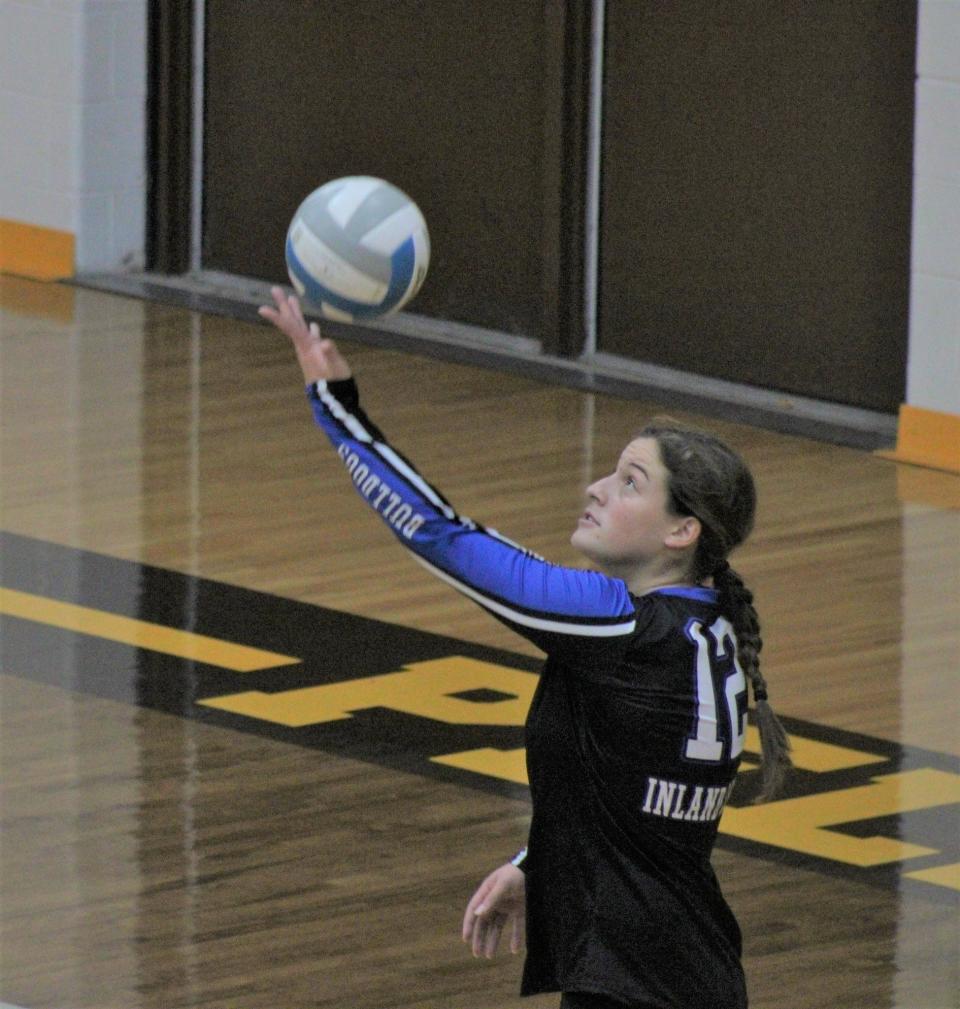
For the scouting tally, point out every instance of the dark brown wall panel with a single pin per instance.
(756, 196)
(453, 101)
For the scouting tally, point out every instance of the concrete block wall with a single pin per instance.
(72, 123)
(933, 373)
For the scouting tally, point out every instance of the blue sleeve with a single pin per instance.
(548, 604)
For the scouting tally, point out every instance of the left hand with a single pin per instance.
(318, 356)
(498, 904)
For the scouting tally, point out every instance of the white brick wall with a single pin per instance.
(933, 370)
(72, 123)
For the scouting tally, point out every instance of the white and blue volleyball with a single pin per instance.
(357, 248)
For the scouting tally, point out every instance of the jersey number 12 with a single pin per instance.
(717, 671)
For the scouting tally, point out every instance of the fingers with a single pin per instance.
(487, 896)
(488, 930)
(293, 303)
(478, 916)
(470, 920)
(486, 935)
(287, 315)
(486, 941)
(274, 312)
(281, 299)
(516, 934)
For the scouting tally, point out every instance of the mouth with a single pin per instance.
(587, 519)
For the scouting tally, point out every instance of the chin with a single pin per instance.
(582, 548)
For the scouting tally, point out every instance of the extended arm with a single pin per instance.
(549, 604)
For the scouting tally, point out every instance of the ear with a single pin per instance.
(684, 533)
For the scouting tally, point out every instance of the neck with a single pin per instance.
(645, 578)
(640, 585)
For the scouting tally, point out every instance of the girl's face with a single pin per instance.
(626, 529)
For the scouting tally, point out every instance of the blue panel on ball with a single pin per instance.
(402, 264)
(402, 261)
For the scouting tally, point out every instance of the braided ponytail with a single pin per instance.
(736, 602)
(710, 481)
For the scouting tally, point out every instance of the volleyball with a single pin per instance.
(357, 248)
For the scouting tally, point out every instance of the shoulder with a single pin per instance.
(670, 610)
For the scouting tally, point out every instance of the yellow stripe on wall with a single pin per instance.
(38, 253)
(927, 438)
(139, 633)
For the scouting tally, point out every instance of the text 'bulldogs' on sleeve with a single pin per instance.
(538, 599)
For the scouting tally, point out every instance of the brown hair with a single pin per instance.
(709, 481)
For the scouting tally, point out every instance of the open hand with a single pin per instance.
(318, 355)
(499, 903)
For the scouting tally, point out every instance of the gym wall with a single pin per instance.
(73, 179)
(72, 123)
(933, 374)
(459, 104)
(756, 193)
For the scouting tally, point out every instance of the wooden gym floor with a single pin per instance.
(251, 755)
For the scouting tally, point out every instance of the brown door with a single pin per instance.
(756, 192)
(461, 104)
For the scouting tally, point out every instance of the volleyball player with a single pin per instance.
(636, 728)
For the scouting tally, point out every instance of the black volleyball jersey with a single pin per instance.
(629, 759)
(633, 740)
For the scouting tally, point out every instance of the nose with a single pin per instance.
(597, 490)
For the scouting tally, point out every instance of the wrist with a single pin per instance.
(314, 367)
